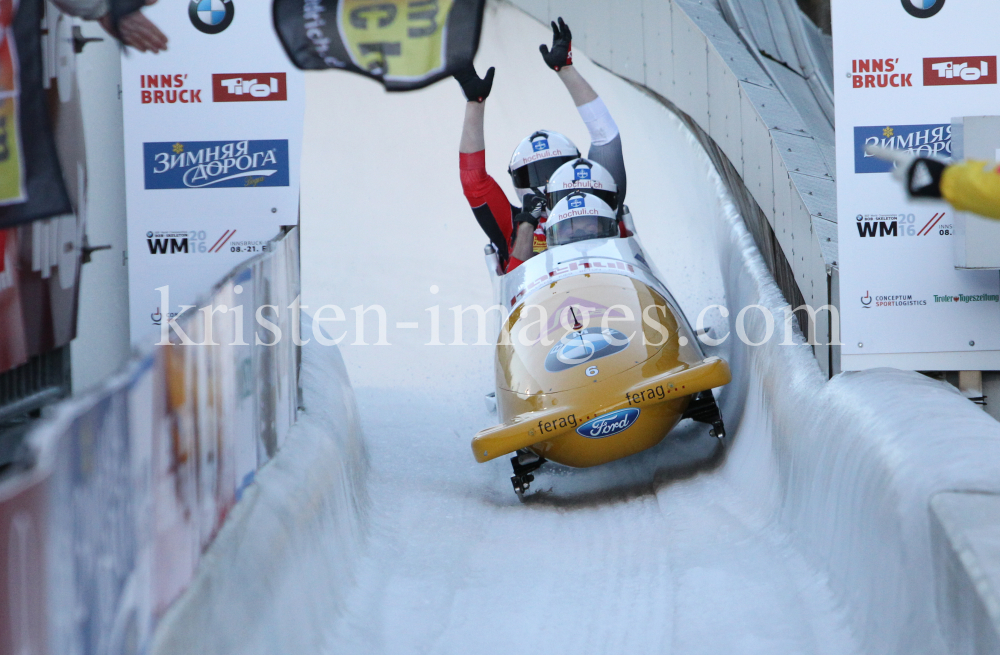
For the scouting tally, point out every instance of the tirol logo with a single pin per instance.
(249, 87)
(955, 71)
(609, 424)
(211, 16)
(200, 164)
(920, 140)
(922, 8)
(577, 203)
(540, 145)
(584, 346)
(878, 73)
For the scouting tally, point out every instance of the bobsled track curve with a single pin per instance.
(809, 534)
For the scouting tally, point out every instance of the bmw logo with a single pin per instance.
(922, 8)
(211, 16)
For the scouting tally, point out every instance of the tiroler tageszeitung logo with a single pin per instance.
(211, 16)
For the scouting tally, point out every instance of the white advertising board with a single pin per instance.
(213, 141)
(902, 70)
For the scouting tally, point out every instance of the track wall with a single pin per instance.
(684, 51)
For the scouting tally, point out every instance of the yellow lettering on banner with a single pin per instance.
(11, 159)
(397, 39)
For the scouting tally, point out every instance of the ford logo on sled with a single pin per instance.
(609, 424)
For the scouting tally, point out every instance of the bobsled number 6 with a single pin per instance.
(595, 361)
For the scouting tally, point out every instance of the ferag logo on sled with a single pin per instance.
(249, 87)
(957, 71)
(213, 164)
(610, 424)
(922, 140)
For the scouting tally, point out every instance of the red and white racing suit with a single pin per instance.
(495, 213)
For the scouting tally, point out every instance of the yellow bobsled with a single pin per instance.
(594, 360)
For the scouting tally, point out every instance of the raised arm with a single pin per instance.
(605, 140)
(476, 91)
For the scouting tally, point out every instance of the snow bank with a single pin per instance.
(276, 571)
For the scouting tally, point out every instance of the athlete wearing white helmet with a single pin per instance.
(582, 175)
(518, 233)
(580, 216)
(536, 158)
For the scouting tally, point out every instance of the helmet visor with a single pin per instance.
(580, 228)
(536, 174)
(610, 197)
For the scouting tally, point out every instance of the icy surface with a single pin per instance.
(810, 535)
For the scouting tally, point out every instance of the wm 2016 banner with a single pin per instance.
(903, 69)
(213, 143)
(405, 44)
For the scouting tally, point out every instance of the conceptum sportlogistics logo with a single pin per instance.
(609, 424)
(922, 8)
(211, 16)
(201, 164)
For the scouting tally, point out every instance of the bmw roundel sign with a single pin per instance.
(211, 16)
(922, 8)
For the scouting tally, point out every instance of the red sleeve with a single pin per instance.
(488, 201)
(512, 264)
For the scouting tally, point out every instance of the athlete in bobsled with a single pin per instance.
(571, 387)
(518, 233)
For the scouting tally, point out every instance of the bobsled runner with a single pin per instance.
(594, 360)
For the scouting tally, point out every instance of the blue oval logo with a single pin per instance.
(583, 346)
(609, 424)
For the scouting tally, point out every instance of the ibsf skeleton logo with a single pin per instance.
(211, 16)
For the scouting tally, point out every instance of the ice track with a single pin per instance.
(791, 542)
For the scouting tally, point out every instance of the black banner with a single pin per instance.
(405, 44)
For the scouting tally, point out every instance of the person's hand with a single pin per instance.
(137, 31)
(476, 89)
(532, 207)
(561, 54)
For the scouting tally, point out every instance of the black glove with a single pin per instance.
(533, 206)
(562, 47)
(923, 179)
(474, 88)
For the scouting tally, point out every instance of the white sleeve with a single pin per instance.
(601, 126)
